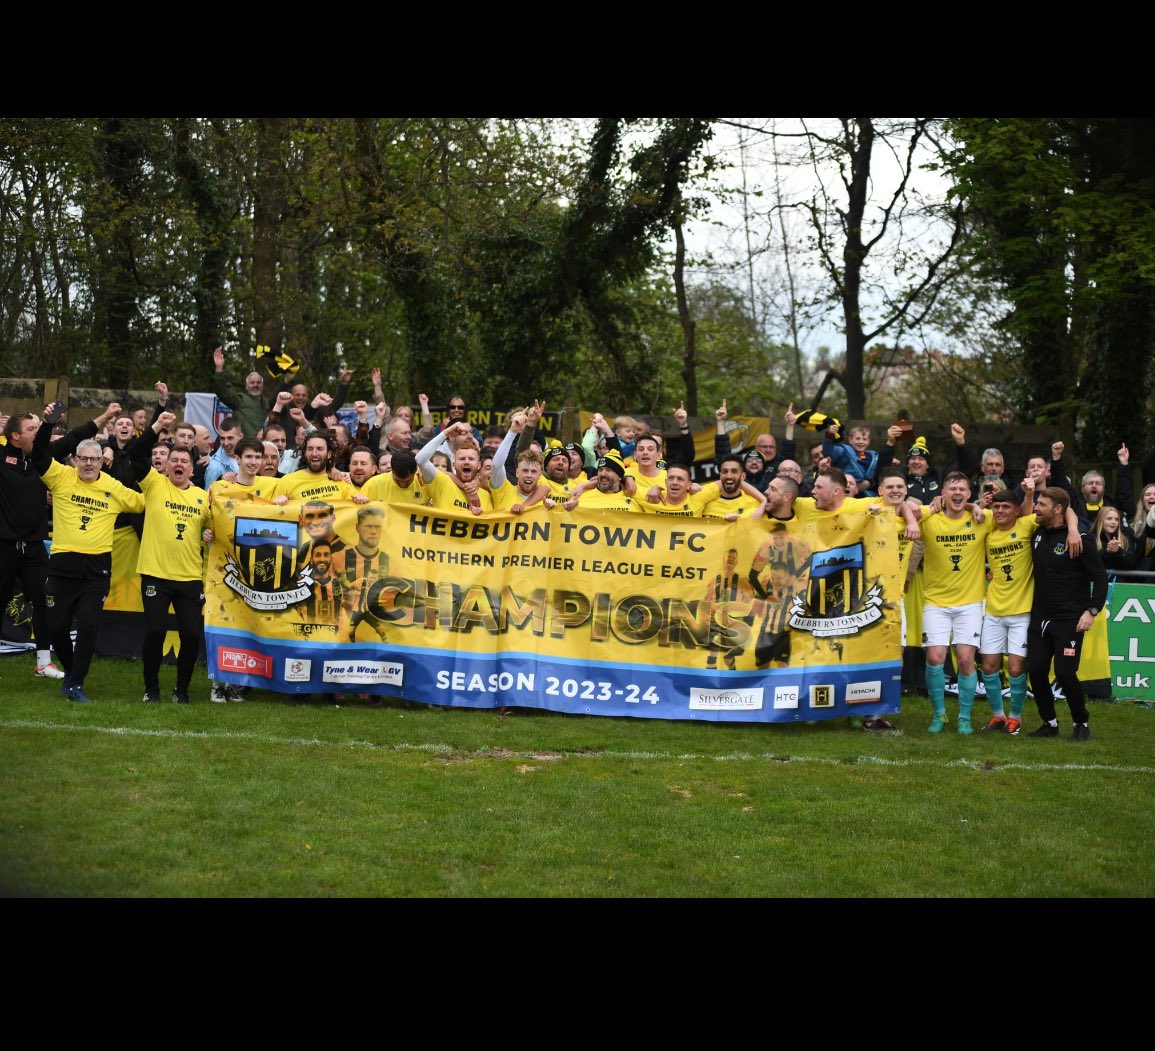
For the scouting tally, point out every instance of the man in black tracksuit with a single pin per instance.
(1069, 592)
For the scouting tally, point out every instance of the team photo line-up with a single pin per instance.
(1004, 575)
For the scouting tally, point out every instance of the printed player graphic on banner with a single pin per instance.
(265, 567)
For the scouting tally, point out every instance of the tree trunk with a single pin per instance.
(200, 186)
(859, 150)
(115, 284)
(690, 355)
(268, 207)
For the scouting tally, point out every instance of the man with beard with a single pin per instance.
(1092, 496)
(731, 497)
(554, 463)
(322, 605)
(1069, 593)
(85, 508)
(312, 482)
(529, 492)
(607, 492)
(780, 496)
(361, 466)
(171, 562)
(556, 466)
(462, 490)
(530, 489)
(676, 498)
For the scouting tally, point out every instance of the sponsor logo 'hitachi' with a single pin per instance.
(859, 692)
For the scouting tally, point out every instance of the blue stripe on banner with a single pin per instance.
(583, 687)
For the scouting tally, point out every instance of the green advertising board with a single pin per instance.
(1131, 640)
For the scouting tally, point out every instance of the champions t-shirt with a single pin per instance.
(446, 494)
(305, 485)
(84, 513)
(954, 563)
(171, 545)
(1012, 585)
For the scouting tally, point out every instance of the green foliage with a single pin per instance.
(1062, 214)
(455, 253)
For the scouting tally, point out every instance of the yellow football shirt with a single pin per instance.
(171, 546)
(954, 562)
(84, 513)
(1012, 585)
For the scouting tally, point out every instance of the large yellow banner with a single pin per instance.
(594, 612)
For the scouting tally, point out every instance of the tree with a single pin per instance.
(1063, 221)
(848, 228)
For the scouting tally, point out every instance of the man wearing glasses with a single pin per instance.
(790, 469)
(24, 520)
(85, 504)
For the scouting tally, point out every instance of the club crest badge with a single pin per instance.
(838, 600)
(265, 566)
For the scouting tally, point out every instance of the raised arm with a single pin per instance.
(425, 453)
(966, 457)
(721, 435)
(682, 449)
(426, 415)
(40, 456)
(517, 422)
(533, 415)
(226, 391)
(140, 451)
(1123, 481)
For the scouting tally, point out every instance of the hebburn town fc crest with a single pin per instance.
(265, 566)
(839, 600)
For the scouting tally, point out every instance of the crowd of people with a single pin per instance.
(1000, 573)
